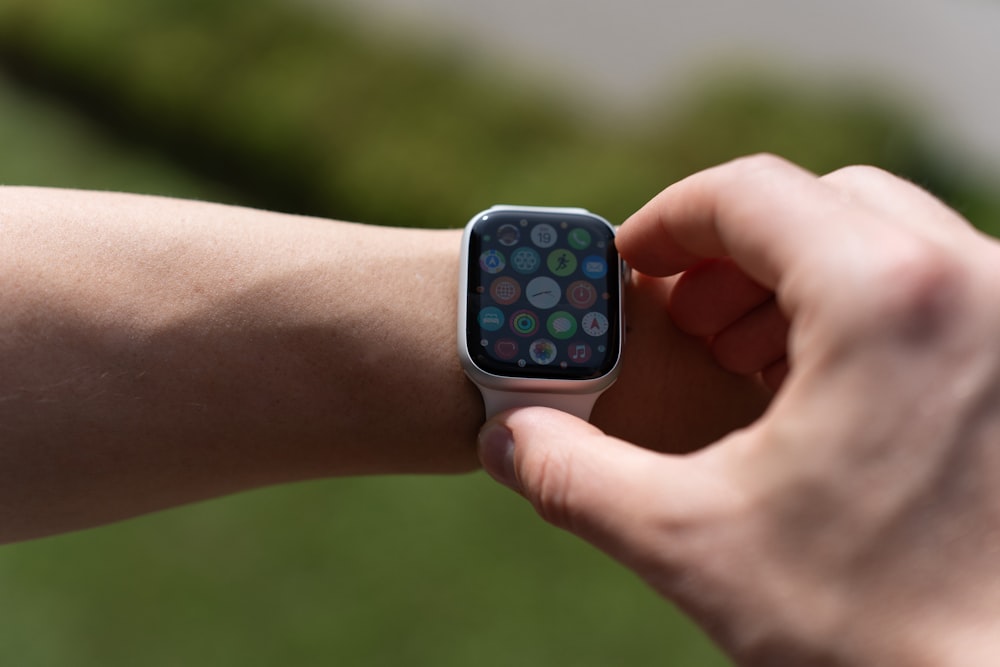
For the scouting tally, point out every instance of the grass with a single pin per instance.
(378, 571)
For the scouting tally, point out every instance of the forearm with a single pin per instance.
(159, 351)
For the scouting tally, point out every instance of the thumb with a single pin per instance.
(630, 502)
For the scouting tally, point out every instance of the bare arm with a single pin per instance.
(159, 351)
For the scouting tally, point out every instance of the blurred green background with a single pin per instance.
(262, 103)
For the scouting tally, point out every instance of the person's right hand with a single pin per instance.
(856, 522)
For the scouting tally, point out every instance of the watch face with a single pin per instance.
(543, 291)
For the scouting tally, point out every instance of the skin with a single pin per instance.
(856, 522)
(158, 352)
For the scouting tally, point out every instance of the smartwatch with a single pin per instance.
(540, 316)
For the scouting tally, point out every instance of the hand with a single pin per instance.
(857, 521)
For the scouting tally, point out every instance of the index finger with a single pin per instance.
(764, 212)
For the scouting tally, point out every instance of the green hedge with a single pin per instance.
(308, 112)
(301, 114)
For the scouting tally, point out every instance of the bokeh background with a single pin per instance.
(401, 112)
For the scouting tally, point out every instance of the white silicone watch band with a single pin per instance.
(497, 401)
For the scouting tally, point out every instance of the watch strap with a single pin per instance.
(496, 401)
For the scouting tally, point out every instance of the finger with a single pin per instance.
(621, 498)
(712, 295)
(769, 215)
(753, 342)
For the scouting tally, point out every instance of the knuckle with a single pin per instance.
(919, 288)
(762, 162)
(858, 173)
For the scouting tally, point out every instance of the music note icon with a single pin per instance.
(579, 353)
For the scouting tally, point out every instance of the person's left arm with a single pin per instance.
(157, 351)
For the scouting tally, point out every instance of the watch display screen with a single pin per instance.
(543, 291)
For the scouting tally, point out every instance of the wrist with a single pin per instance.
(364, 374)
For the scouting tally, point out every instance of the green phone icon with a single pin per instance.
(579, 238)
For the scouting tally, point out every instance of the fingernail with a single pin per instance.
(496, 452)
